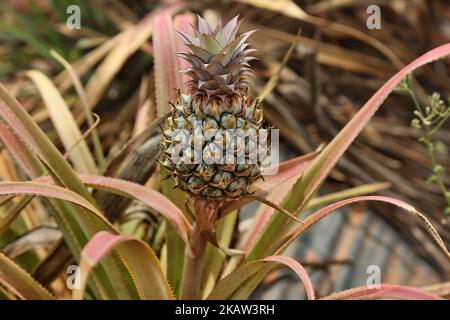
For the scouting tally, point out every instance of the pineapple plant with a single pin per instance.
(119, 261)
(207, 145)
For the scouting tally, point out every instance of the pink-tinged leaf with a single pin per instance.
(79, 224)
(19, 282)
(26, 159)
(321, 167)
(182, 23)
(298, 269)
(386, 291)
(289, 171)
(241, 282)
(130, 261)
(264, 213)
(167, 78)
(274, 188)
(24, 127)
(38, 188)
(148, 271)
(319, 214)
(148, 196)
(228, 287)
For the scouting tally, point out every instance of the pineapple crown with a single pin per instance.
(218, 58)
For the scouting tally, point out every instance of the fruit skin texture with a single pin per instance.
(211, 137)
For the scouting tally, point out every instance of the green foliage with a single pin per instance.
(428, 120)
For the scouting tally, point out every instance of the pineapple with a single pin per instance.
(204, 121)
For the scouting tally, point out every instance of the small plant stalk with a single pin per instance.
(204, 226)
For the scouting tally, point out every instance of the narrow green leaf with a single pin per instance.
(65, 124)
(214, 257)
(19, 282)
(144, 265)
(152, 198)
(76, 226)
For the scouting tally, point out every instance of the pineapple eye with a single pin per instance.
(242, 167)
(222, 179)
(255, 171)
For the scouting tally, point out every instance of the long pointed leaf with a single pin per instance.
(288, 172)
(27, 160)
(147, 272)
(298, 269)
(244, 288)
(64, 123)
(384, 292)
(230, 286)
(317, 172)
(150, 197)
(48, 190)
(19, 282)
(77, 227)
(167, 79)
(319, 214)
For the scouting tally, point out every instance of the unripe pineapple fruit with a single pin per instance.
(200, 150)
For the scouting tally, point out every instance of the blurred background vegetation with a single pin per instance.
(335, 67)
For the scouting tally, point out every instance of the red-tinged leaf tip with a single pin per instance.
(150, 197)
(27, 160)
(100, 245)
(319, 170)
(286, 170)
(143, 264)
(319, 214)
(298, 269)
(38, 188)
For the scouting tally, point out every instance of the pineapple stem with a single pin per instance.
(205, 217)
